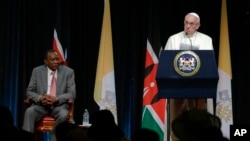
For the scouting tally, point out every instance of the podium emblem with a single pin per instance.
(186, 63)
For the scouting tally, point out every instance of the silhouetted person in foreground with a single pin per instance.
(197, 125)
(8, 130)
(144, 134)
(66, 131)
(62, 129)
(77, 134)
(104, 128)
(6, 118)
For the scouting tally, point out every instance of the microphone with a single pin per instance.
(191, 45)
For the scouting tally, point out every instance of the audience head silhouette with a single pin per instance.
(7, 123)
(104, 117)
(9, 130)
(61, 130)
(197, 125)
(103, 127)
(67, 131)
(6, 119)
(144, 134)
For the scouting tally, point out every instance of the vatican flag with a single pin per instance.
(104, 93)
(224, 94)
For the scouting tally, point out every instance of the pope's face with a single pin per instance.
(191, 24)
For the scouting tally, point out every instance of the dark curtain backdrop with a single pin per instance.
(26, 31)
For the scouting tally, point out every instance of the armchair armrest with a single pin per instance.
(71, 109)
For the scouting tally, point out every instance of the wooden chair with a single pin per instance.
(46, 123)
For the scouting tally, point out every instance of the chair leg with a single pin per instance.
(37, 136)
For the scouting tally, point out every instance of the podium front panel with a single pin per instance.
(203, 84)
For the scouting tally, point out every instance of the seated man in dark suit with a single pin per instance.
(46, 102)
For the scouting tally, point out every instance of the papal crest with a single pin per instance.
(187, 63)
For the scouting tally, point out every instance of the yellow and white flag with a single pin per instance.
(224, 93)
(104, 93)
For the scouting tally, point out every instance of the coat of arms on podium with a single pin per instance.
(187, 63)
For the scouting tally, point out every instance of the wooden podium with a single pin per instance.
(186, 79)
